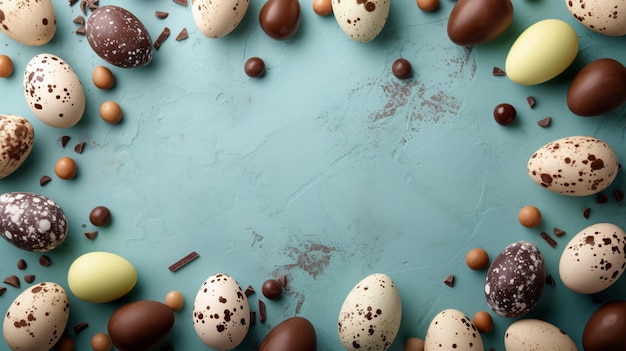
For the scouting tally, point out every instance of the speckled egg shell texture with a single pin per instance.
(216, 19)
(30, 22)
(361, 20)
(452, 330)
(536, 335)
(606, 17)
(16, 142)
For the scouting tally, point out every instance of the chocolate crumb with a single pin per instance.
(45, 260)
(2, 290)
(29, 278)
(262, 311)
(531, 101)
(183, 261)
(80, 327)
(79, 147)
(161, 14)
(81, 30)
(65, 139)
(22, 265)
(497, 71)
(545, 122)
(91, 235)
(252, 318)
(619, 195)
(181, 2)
(79, 20)
(182, 35)
(249, 291)
(44, 180)
(282, 280)
(545, 236)
(449, 280)
(602, 198)
(159, 41)
(558, 232)
(72, 2)
(12, 280)
(550, 280)
(586, 213)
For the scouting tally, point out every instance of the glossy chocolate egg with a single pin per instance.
(515, 280)
(474, 22)
(605, 328)
(600, 87)
(118, 37)
(280, 19)
(140, 325)
(295, 333)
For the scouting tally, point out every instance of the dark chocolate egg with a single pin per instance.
(118, 37)
(280, 19)
(474, 22)
(605, 328)
(140, 325)
(515, 280)
(295, 333)
(599, 88)
(32, 222)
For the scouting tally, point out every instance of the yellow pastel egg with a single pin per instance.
(100, 277)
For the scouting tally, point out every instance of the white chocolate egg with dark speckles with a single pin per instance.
(575, 166)
(370, 316)
(37, 318)
(30, 22)
(53, 91)
(536, 335)
(216, 19)
(221, 313)
(594, 259)
(452, 330)
(361, 20)
(606, 17)
(16, 142)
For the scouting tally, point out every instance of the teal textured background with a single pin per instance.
(326, 169)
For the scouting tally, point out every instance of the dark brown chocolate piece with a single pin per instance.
(182, 35)
(262, 311)
(605, 328)
(2, 290)
(65, 139)
(550, 280)
(181, 2)
(547, 238)
(44, 180)
(252, 318)
(165, 33)
(80, 327)
(449, 281)
(161, 14)
(283, 26)
(402, 69)
(100, 216)
(476, 22)
(599, 88)
(619, 195)
(558, 232)
(81, 30)
(44, 261)
(12, 280)
(504, 114)
(29, 278)
(544, 122)
(79, 20)
(498, 72)
(272, 289)
(587, 213)
(91, 234)
(79, 147)
(602, 198)
(531, 101)
(72, 2)
(22, 265)
(183, 261)
(254, 67)
(249, 291)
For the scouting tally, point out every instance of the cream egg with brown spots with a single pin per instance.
(452, 329)
(16, 142)
(363, 20)
(216, 19)
(30, 22)
(606, 17)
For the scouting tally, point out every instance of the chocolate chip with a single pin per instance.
(91, 235)
(262, 311)
(550, 280)
(531, 101)
(72, 2)
(22, 265)
(254, 67)
(81, 30)
(165, 33)
(181, 2)
(100, 216)
(183, 261)
(449, 280)
(401, 68)
(12, 280)
(252, 318)
(504, 114)
(44, 180)
(2, 290)
(619, 195)
(44, 260)
(547, 238)
(80, 327)
(161, 14)
(249, 291)
(29, 278)
(182, 35)
(79, 147)
(79, 20)
(272, 289)
(497, 71)
(586, 213)
(602, 198)
(545, 122)
(64, 140)
(558, 232)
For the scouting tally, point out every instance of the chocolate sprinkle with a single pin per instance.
(80, 327)
(182, 35)
(21, 265)
(81, 30)
(449, 280)
(545, 236)
(531, 101)
(65, 139)
(550, 280)
(159, 41)
(586, 213)
(79, 20)
(45, 260)
(183, 261)
(262, 311)
(558, 232)
(2, 290)
(91, 235)
(545, 122)
(44, 180)
(181, 2)
(602, 198)
(79, 147)
(619, 195)
(249, 291)
(29, 278)
(161, 14)
(498, 72)
(252, 318)
(12, 280)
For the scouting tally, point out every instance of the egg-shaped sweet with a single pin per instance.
(599, 88)
(594, 259)
(601, 16)
(100, 277)
(542, 52)
(370, 316)
(474, 22)
(140, 325)
(31, 23)
(536, 334)
(216, 19)
(37, 318)
(515, 280)
(604, 330)
(574, 166)
(295, 333)
(53, 91)
(451, 329)
(16, 142)
(221, 313)
(280, 19)
(32, 222)
(362, 21)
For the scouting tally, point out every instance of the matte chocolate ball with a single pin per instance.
(272, 289)
(100, 216)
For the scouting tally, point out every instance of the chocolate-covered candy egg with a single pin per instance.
(280, 19)
(140, 325)
(32, 222)
(118, 37)
(295, 333)
(599, 88)
(16, 142)
(474, 22)
(28, 22)
(604, 330)
(515, 280)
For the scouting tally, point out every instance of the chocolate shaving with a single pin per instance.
(72, 2)
(545, 122)
(79, 20)
(29, 278)
(531, 101)
(262, 311)
(619, 195)
(181, 2)
(586, 213)
(12, 280)
(91, 235)
(282, 280)
(183, 261)
(21, 265)
(249, 291)
(80, 327)
(558, 232)
(65, 139)
(44, 180)
(182, 35)
(550, 280)
(597, 299)
(159, 41)
(545, 236)
(498, 71)
(2, 290)
(161, 14)
(45, 260)
(79, 147)
(81, 30)
(449, 280)
(602, 198)
(252, 318)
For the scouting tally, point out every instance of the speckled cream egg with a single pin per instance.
(575, 166)
(37, 318)
(515, 280)
(32, 222)
(370, 316)
(536, 335)
(606, 17)
(53, 91)
(594, 259)
(361, 20)
(451, 329)
(16, 142)
(28, 22)
(216, 19)
(221, 313)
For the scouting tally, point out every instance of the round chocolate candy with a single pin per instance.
(272, 289)
(254, 67)
(504, 114)
(401, 68)
(100, 216)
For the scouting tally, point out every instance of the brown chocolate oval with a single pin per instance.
(140, 325)
(295, 333)
(599, 88)
(604, 330)
(280, 19)
(474, 22)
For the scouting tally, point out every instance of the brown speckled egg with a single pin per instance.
(535, 334)
(16, 142)
(575, 166)
(594, 259)
(216, 19)
(370, 316)
(37, 317)
(28, 22)
(53, 91)
(118, 37)
(32, 222)
(515, 280)
(452, 330)
(361, 20)
(606, 17)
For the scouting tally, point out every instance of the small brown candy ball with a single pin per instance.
(529, 216)
(401, 68)
(323, 7)
(413, 344)
(254, 67)
(101, 342)
(100, 216)
(174, 300)
(111, 112)
(272, 289)
(65, 168)
(428, 5)
(6, 66)
(103, 78)
(504, 114)
(483, 322)
(477, 259)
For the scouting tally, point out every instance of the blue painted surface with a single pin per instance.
(327, 169)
